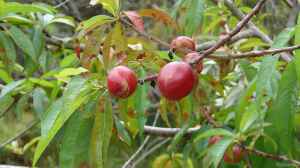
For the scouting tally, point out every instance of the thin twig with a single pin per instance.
(257, 53)
(167, 132)
(149, 152)
(75, 10)
(235, 31)
(128, 163)
(61, 4)
(20, 134)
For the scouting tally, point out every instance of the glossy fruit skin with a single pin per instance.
(176, 80)
(181, 43)
(121, 82)
(191, 57)
(235, 155)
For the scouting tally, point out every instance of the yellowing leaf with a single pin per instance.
(136, 20)
(158, 15)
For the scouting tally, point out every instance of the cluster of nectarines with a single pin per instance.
(175, 80)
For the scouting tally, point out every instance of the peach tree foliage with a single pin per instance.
(88, 95)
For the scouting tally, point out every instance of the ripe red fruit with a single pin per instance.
(235, 155)
(121, 82)
(183, 44)
(191, 57)
(176, 80)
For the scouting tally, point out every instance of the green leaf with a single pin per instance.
(69, 61)
(95, 22)
(111, 6)
(194, 16)
(5, 76)
(65, 20)
(249, 117)
(16, 20)
(101, 134)
(21, 106)
(77, 93)
(216, 152)
(213, 132)
(67, 72)
(38, 41)
(9, 47)
(5, 103)
(178, 137)
(267, 70)
(141, 94)
(76, 138)
(15, 7)
(23, 41)
(122, 132)
(244, 103)
(282, 111)
(42, 82)
(40, 101)
(267, 76)
(49, 117)
(10, 87)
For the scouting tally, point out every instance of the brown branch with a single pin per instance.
(235, 31)
(235, 11)
(148, 78)
(239, 14)
(272, 156)
(237, 37)
(250, 54)
(256, 53)
(144, 34)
